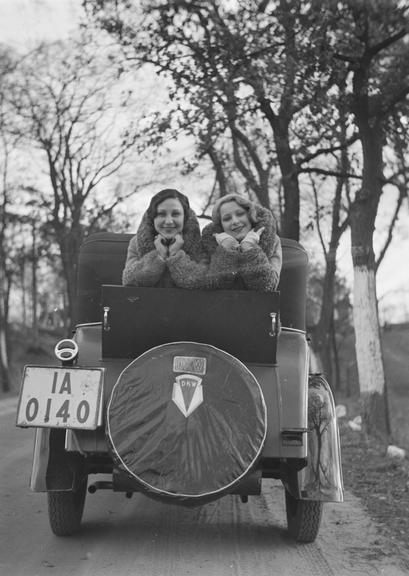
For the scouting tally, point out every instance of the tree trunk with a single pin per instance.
(336, 385)
(70, 270)
(263, 191)
(219, 170)
(4, 365)
(34, 289)
(290, 224)
(4, 361)
(322, 331)
(4, 290)
(369, 353)
(69, 246)
(365, 311)
(23, 292)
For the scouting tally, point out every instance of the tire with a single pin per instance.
(65, 509)
(303, 518)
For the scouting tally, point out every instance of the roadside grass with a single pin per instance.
(382, 485)
(395, 350)
(26, 350)
(381, 482)
(396, 359)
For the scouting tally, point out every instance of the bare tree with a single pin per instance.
(249, 71)
(275, 64)
(7, 146)
(69, 103)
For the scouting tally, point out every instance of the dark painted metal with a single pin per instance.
(236, 321)
(302, 442)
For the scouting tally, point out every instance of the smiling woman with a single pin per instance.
(166, 250)
(242, 246)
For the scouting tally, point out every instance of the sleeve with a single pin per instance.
(187, 273)
(223, 268)
(260, 272)
(143, 270)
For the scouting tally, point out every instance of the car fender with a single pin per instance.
(321, 479)
(41, 455)
(53, 468)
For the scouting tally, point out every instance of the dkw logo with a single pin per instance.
(187, 393)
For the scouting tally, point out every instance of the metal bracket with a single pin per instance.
(106, 325)
(274, 324)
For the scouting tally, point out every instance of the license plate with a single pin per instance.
(60, 397)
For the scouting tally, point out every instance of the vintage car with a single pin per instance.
(184, 395)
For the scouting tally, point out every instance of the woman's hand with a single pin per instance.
(176, 245)
(161, 248)
(226, 241)
(251, 239)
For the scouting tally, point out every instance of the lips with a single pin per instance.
(237, 231)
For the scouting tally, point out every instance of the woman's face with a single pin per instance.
(169, 218)
(235, 220)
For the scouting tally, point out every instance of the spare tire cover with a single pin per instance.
(186, 421)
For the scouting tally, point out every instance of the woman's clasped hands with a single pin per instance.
(231, 244)
(167, 247)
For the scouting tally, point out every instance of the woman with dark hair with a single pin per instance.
(166, 250)
(242, 245)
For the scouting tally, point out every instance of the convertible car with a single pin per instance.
(184, 395)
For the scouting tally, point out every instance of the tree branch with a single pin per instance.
(334, 173)
(402, 196)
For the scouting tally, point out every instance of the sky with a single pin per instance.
(23, 23)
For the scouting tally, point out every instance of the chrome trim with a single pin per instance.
(288, 329)
(66, 350)
(274, 324)
(89, 324)
(107, 327)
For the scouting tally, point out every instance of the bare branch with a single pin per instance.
(317, 216)
(334, 173)
(391, 228)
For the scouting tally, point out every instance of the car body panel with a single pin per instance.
(302, 443)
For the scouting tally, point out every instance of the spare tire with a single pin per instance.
(186, 421)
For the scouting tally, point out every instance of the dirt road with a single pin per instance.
(140, 537)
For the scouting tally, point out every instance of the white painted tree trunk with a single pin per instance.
(367, 338)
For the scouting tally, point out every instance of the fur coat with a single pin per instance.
(256, 269)
(144, 266)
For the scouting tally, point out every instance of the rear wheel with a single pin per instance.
(65, 509)
(303, 518)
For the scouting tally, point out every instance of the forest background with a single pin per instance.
(301, 105)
